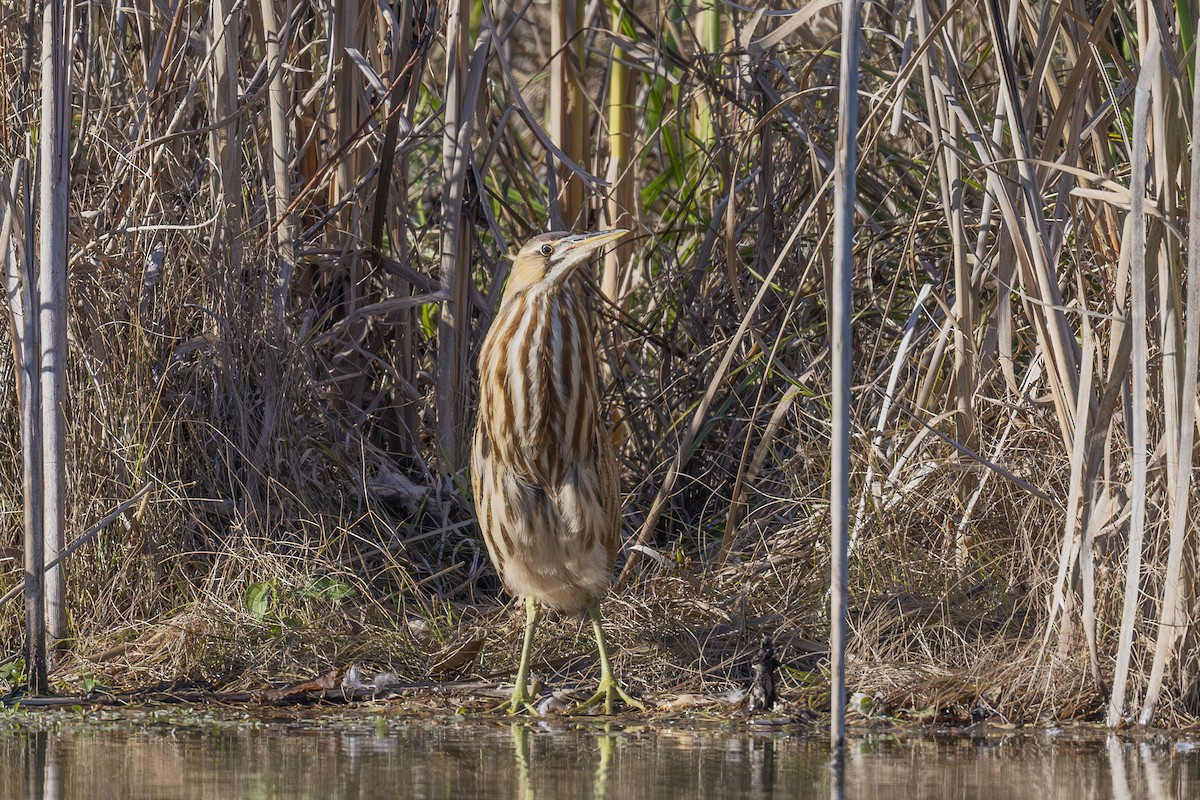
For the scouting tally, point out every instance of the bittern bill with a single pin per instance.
(547, 491)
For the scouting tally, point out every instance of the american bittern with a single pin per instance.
(543, 470)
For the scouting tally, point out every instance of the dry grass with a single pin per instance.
(296, 401)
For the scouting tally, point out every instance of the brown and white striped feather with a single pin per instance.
(544, 474)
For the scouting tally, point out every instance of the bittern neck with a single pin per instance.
(531, 273)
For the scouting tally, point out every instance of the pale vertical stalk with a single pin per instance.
(581, 151)
(454, 320)
(391, 208)
(1170, 628)
(54, 154)
(15, 303)
(708, 34)
(1093, 515)
(1165, 144)
(22, 298)
(889, 397)
(567, 122)
(840, 352)
(964, 339)
(281, 155)
(345, 84)
(1137, 318)
(31, 435)
(621, 204)
(944, 127)
(964, 298)
(964, 306)
(1070, 542)
(225, 139)
(1054, 334)
(989, 201)
(347, 120)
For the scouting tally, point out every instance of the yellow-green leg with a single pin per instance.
(521, 699)
(609, 690)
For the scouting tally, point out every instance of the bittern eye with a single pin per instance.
(546, 249)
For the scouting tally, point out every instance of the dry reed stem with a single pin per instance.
(292, 453)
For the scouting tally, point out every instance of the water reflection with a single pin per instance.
(380, 757)
(837, 778)
(42, 778)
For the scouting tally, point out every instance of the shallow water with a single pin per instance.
(178, 754)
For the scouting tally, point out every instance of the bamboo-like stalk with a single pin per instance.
(1136, 242)
(708, 38)
(965, 378)
(347, 117)
(840, 332)
(14, 306)
(224, 143)
(463, 82)
(282, 150)
(1073, 533)
(21, 291)
(453, 325)
(31, 436)
(54, 160)
(621, 203)
(392, 207)
(1093, 517)
(1053, 332)
(566, 111)
(1174, 594)
(227, 246)
(944, 127)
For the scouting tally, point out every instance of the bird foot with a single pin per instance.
(608, 691)
(523, 701)
(523, 706)
(517, 705)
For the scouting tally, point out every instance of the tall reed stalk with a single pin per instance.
(841, 349)
(51, 306)
(290, 222)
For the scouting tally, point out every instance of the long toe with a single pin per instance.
(523, 703)
(522, 707)
(629, 700)
(514, 707)
(520, 703)
(609, 691)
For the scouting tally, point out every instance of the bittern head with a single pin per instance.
(551, 258)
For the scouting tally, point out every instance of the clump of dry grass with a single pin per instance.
(279, 276)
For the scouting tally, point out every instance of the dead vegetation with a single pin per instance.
(290, 223)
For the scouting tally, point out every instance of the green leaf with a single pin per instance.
(13, 671)
(258, 598)
(325, 588)
(429, 319)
